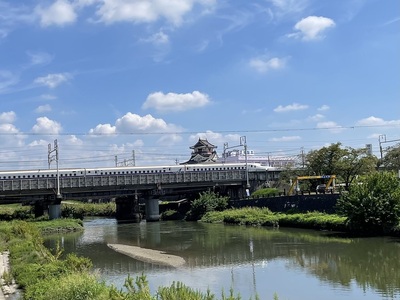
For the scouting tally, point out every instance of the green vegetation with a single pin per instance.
(264, 217)
(373, 206)
(170, 215)
(391, 160)
(80, 210)
(265, 192)
(208, 201)
(10, 212)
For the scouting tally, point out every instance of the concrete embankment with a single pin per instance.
(149, 255)
(5, 289)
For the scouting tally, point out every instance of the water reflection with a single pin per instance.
(252, 260)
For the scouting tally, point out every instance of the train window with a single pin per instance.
(101, 173)
(95, 172)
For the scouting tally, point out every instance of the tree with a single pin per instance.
(346, 163)
(208, 201)
(372, 206)
(391, 160)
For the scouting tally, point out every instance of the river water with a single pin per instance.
(293, 263)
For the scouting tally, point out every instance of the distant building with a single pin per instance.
(202, 152)
(236, 156)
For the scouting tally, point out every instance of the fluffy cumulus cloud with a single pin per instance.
(146, 11)
(262, 64)
(43, 108)
(131, 123)
(312, 28)
(45, 125)
(103, 129)
(215, 137)
(374, 121)
(60, 13)
(291, 107)
(52, 80)
(173, 102)
(7, 117)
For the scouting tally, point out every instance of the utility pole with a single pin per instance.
(54, 157)
(244, 144)
(302, 157)
(382, 139)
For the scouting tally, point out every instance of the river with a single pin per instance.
(293, 263)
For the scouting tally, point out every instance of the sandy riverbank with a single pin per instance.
(149, 255)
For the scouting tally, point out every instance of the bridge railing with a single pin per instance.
(79, 182)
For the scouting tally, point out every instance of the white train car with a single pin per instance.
(71, 172)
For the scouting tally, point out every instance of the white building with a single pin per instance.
(265, 160)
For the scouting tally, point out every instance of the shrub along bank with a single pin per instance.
(255, 216)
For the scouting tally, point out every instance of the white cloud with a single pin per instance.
(263, 65)
(291, 107)
(7, 117)
(324, 108)
(146, 11)
(215, 137)
(173, 102)
(332, 126)
(43, 108)
(158, 39)
(73, 140)
(8, 128)
(289, 6)
(374, 121)
(285, 139)
(103, 129)
(316, 118)
(132, 122)
(40, 142)
(59, 13)
(52, 80)
(312, 28)
(46, 126)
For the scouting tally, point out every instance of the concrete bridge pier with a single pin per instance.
(152, 209)
(55, 208)
(127, 209)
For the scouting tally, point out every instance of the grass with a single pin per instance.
(264, 217)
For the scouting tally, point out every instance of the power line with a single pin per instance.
(195, 132)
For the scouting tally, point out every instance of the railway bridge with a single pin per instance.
(128, 189)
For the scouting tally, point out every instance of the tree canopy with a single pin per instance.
(391, 160)
(346, 163)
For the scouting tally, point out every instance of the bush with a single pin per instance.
(267, 192)
(372, 207)
(171, 214)
(208, 201)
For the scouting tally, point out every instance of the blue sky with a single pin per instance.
(106, 77)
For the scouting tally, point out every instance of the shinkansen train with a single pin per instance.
(43, 173)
